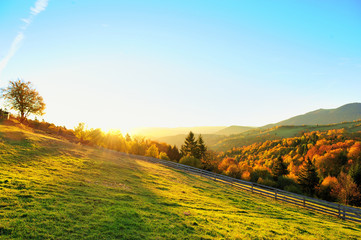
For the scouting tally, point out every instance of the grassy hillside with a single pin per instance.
(54, 189)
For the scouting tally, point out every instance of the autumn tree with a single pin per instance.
(347, 191)
(81, 132)
(307, 176)
(20, 96)
(152, 151)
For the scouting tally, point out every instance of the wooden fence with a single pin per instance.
(325, 207)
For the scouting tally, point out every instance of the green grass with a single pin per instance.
(51, 189)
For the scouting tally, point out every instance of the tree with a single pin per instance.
(347, 190)
(21, 97)
(307, 176)
(190, 146)
(173, 153)
(152, 151)
(355, 173)
(81, 132)
(279, 168)
(202, 149)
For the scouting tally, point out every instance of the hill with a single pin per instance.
(278, 132)
(233, 130)
(346, 113)
(53, 189)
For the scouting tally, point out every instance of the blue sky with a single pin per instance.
(127, 64)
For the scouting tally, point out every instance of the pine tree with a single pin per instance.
(202, 149)
(173, 153)
(279, 168)
(128, 138)
(307, 176)
(190, 146)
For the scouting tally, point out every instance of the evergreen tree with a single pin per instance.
(173, 153)
(307, 176)
(128, 138)
(190, 146)
(355, 173)
(279, 168)
(202, 149)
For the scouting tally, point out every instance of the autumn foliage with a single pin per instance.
(323, 164)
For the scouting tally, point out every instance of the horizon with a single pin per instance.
(139, 64)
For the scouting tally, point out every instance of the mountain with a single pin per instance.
(278, 132)
(346, 113)
(164, 132)
(233, 130)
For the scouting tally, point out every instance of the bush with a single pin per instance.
(259, 172)
(190, 161)
(283, 182)
(267, 182)
(163, 156)
(293, 188)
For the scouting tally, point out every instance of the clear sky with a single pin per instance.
(126, 64)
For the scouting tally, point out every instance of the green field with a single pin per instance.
(52, 189)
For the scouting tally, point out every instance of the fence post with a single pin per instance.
(344, 211)
(304, 202)
(276, 195)
(339, 211)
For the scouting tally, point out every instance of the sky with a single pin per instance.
(129, 64)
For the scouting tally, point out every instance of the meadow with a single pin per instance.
(54, 189)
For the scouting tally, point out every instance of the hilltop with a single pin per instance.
(346, 113)
(52, 188)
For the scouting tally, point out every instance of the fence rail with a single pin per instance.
(325, 207)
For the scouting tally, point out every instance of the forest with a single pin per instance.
(322, 164)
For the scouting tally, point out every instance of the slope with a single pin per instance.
(233, 130)
(278, 132)
(55, 189)
(346, 113)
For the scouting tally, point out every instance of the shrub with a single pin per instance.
(163, 156)
(267, 182)
(293, 188)
(283, 182)
(190, 161)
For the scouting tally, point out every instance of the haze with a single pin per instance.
(129, 64)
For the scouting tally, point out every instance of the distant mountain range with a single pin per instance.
(225, 138)
(163, 131)
(346, 113)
